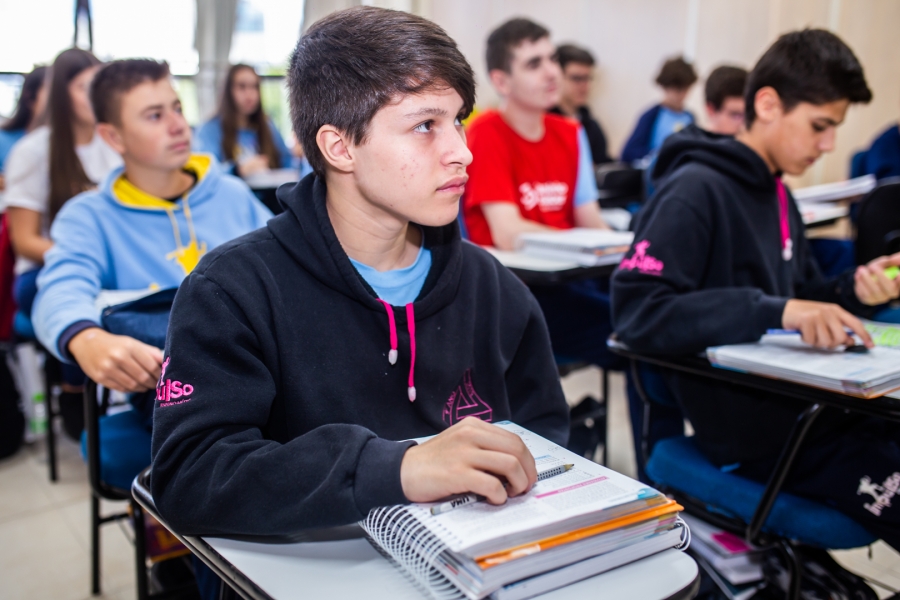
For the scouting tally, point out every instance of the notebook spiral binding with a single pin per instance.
(413, 547)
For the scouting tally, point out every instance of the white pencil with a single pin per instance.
(467, 499)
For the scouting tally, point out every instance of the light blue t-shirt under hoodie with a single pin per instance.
(398, 287)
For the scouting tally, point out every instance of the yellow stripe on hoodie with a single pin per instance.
(127, 194)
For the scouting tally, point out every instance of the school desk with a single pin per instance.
(351, 568)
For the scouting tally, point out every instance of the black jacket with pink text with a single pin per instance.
(279, 409)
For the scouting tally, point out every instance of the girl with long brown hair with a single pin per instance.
(44, 170)
(241, 136)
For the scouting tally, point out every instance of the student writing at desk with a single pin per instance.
(532, 171)
(300, 356)
(720, 257)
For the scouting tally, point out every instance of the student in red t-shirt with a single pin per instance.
(532, 171)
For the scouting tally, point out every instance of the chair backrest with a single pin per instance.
(878, 224)
(619, 184)
(145, 319)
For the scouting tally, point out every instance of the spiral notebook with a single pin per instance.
(539, 538)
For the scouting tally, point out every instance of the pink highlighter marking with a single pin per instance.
(574, 486)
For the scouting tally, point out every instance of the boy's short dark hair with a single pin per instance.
(569, 54)
(677, 73)
(812, 65)
(503, 40)
(117, 78)
(353, 62)
(725, 82)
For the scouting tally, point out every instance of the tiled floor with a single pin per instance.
(44, 535)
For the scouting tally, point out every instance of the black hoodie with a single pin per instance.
(278, 409)
(707, 268)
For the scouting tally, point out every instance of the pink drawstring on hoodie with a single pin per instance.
(392, 355)
(787, 246)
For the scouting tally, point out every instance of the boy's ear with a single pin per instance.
(500, 80)
(335, 148)
(111, 136)
(767, 104)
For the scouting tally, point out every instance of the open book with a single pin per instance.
(587, 247)
(867, 375)
(551, 536)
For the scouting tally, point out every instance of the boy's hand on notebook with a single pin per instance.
(872, 285)
(117, 362)
(822, 324)
(471, 456)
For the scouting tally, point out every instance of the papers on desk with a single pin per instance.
(587, 247)
(569, 527)
(831, 192)
(786, 357)
(821, 213)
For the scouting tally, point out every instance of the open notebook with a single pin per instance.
(587, 247)
(786, 357)
(569, 527)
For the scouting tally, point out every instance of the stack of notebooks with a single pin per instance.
(831, 192)
(865, 375)
(587, 247)
(566, 528)
(735, 566)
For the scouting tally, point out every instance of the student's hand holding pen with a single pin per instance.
(873, 283)
(471, 456)
(822, 324)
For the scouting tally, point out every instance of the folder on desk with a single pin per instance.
(587, 247)
(567, 528)
(867, 375)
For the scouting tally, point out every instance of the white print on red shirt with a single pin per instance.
(882, 494)
(549, 196)
(170, 392)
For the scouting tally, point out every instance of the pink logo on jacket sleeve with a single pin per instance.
(641, 261)
(170, 392)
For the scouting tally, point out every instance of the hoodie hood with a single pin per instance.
(204, 168)
(320, 252)
(720, 152)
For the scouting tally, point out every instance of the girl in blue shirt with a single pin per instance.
(241, 136)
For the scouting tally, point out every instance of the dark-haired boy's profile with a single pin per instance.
(356, 319)
(730, 260)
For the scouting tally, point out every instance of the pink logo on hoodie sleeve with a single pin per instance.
(170, 392)
(641, 261)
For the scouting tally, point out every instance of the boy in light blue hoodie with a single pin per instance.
(145, 228)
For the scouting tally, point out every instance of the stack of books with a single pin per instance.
(832, 192)
(785, 356)
(735, 565)
(566, 528)
(587, 247)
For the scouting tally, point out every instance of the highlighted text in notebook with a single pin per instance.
(467, 499)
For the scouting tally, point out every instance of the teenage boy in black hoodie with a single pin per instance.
(720, 256)
(290, 377)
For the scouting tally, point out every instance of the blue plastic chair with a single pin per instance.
(116, 446)
(764, 515)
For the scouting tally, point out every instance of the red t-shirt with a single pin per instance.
(539, 177)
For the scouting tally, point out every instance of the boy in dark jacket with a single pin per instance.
(300, 356)
(720, 256)
(669, 116)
